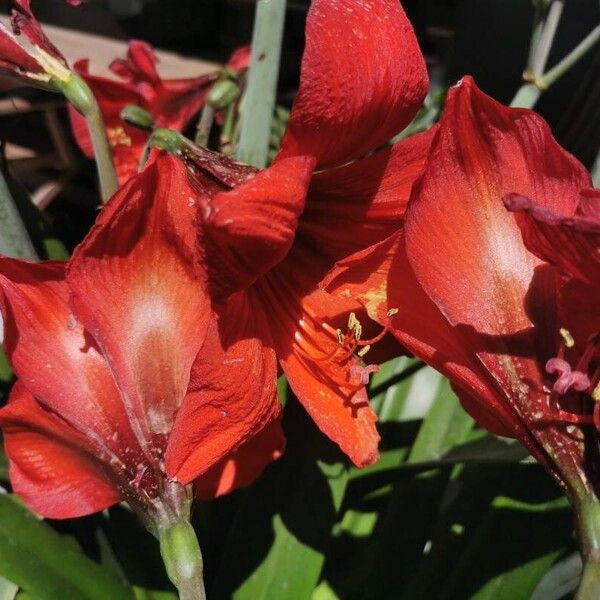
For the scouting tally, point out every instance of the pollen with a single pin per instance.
(565, 334)
(118, 137)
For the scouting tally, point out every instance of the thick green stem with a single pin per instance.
(81, 97)
(168, 519)
(588, 523)
(527, 96)
(259, 100)
(183, 559)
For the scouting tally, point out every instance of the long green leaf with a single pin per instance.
(280, 535)
(45, 565)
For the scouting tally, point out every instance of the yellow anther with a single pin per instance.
(392, 312)
(565, 334)
(596, 393)
(340, 336)
(118, 137)
(354, 326)
(363, 350)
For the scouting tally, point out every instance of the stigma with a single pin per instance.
(581, 378)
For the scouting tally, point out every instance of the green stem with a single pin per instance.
(183, 559)
(259, 100)
(204, 125)
(529, 93)
(571, 59)
(596, 171)
(81, 97)
(588, 514)
(541, 53)
(527, 96)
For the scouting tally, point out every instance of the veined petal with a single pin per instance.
(137, 289)
(571, 242)
(23, 21)
(320, 363)
(466, 249)
(381, 278)
(359, 204)
(51, 466)
(13, 57)
(345, 417)
(251, 228)
(140, 64)
(56, 360)
(231, 396)
(363, 79)
(244, 466)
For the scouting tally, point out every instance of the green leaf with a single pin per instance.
(278, 540)
(561, 580)
(45, 565)
(446, 425)
(142, 594)
(8, 590)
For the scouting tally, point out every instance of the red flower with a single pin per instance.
(172, 102)
(268, 243)
(122, 370)
(37, 66)
(472, 300)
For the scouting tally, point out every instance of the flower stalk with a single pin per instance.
(78, 93)
(183, 559)
(588, 517)
(538, 81)
(259, 100)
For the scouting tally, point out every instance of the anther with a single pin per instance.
(565, 334)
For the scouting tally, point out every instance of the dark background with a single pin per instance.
(487, 38)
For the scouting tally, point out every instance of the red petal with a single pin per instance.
(570, 242)
(251, 228)
(51, 467)
(363, 80)
(466, 249)
(13, 56)
(244, 466)
(137, 291)
(363, 277)
(240, 59)
(347, 420)
(338, 405)
(140, 64)
(232, 393)
(55, 359)
(357, 205)
(24, 21)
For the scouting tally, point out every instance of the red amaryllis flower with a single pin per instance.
(472, 300)
(37, 66)
(363, 79)
(172, 102)
(127, 387)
